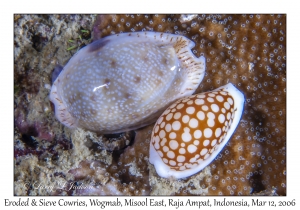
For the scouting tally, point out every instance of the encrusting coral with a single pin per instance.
(248, 51)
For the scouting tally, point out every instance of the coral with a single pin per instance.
(246, 50)
(250, 52)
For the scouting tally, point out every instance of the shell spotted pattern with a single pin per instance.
(125, 81)
(194, 129)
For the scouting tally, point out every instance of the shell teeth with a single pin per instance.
(193, 131)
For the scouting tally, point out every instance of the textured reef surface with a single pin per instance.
(248, 51)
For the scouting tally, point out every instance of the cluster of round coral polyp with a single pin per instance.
(193, 130)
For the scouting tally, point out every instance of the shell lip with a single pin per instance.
(61, 112)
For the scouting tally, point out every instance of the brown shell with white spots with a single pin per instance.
(193, 130)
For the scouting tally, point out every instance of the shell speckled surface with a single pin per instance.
(190, 133)
(158, 68)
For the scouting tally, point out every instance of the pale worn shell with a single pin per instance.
(125, 81)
